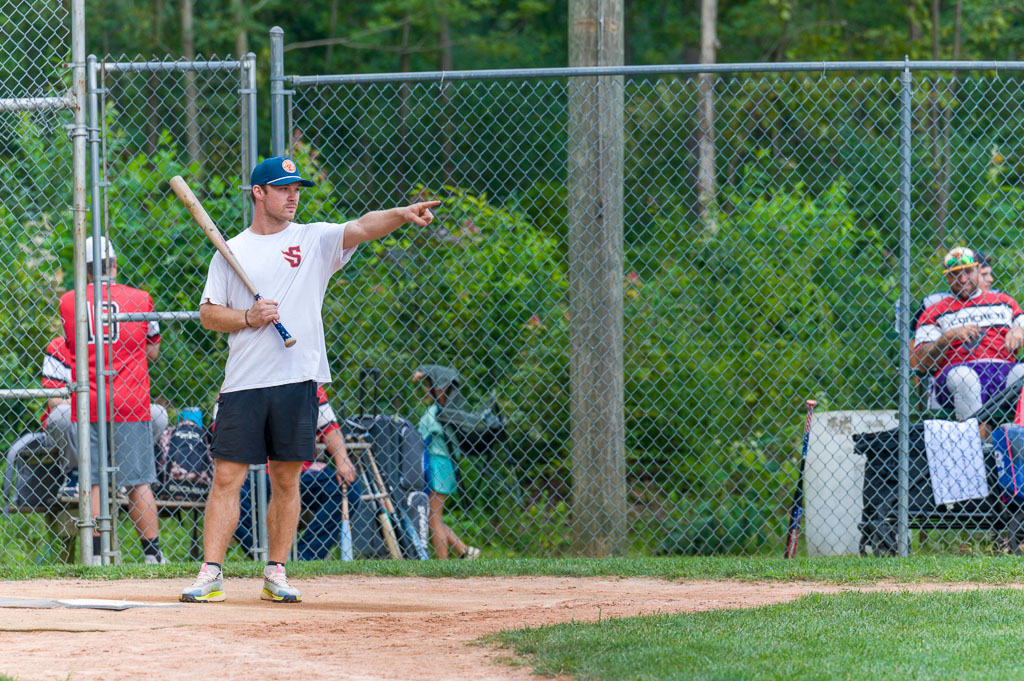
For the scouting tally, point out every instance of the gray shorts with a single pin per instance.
(133, 447)
(64, 432)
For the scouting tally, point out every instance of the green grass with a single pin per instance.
(845, 570)
(962, 635)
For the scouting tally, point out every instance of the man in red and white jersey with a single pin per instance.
(134, 345)
(57, 419)
(971, 339)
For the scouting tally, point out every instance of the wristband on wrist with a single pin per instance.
(247, 319)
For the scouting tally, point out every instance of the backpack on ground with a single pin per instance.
(184, 466)
(398, 449)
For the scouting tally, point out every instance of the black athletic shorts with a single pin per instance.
(278, 423)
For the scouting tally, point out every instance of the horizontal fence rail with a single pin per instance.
(656, 71)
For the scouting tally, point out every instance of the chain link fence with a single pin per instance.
(780, 287)
(35, 154)
(635, 283)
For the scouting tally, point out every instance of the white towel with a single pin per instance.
(955, 461)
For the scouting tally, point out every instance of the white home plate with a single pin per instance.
(95, 603)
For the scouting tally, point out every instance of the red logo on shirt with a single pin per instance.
(293, 256)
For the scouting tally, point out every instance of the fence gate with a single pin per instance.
(151, 121)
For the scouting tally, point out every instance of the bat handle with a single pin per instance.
(283, 332)
(285, 336)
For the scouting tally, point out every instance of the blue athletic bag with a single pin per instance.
(1008, 446)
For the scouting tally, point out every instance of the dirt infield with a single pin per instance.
(347, 628)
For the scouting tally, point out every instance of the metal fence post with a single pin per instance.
(277, 91)
(258, 492)
(79, 210)
(104, 518)
(902, 528)
(249, 130)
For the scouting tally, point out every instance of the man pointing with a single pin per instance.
(268, 402)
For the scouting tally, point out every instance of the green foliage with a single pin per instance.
(35, 219)
(483, 292)
(726, 338)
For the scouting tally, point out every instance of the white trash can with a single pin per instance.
(834, 480)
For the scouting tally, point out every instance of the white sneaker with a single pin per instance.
(157, 559)
(207, 588)
(276, 587)
(472, 553)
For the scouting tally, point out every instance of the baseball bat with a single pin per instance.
(202, 218)
(346, 526)
(797, 510)
(387, 530)
(403, 518)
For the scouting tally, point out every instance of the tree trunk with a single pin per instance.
(947, 114)
(627, 32)
(447, 148)
(329, 57)
(939, 130)
(188, 50)
(595, 215)
(242, 37)
(153, 87)
(706, 117)
(957, 24)
(402, 147)
(914, 32)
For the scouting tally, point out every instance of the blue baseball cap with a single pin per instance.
(277, 170)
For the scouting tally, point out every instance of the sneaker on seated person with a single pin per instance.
(155, 558)
(70, 486)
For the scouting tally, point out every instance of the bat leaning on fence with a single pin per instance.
(403, 518)
(346, 526)
(797, 510)
(202, 218)
(387, 529)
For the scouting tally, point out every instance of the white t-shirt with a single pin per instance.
(292, 267)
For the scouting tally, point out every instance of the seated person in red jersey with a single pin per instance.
(132, 346)
(57, 420)
(970, 339)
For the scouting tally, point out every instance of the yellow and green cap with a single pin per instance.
(960, 258)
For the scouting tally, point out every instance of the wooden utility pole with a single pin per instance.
(595, 151)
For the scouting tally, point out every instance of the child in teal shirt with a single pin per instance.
(440, 473)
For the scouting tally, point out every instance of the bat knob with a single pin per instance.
(290, 342)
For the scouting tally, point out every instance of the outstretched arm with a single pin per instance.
(378, 223)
